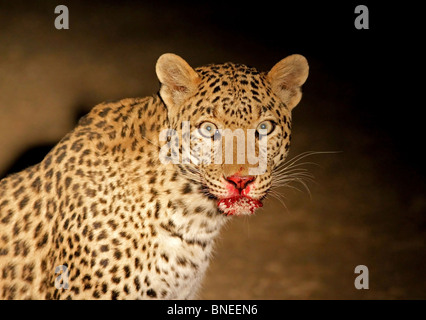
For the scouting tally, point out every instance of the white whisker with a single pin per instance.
(292, 171)
(279, 197)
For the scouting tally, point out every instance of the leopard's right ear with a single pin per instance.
(287, 76)
(178, 80)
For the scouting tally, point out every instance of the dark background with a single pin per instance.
(363, 97)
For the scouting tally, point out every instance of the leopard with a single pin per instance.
(105, 216)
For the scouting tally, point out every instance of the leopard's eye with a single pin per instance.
(207, 129)
(265, 127)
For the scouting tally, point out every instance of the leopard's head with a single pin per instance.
(232, 125)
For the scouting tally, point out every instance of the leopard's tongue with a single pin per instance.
(238, 205)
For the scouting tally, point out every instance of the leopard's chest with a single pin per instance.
(181, 265)
(174, 263)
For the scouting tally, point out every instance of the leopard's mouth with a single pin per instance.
(238, 205)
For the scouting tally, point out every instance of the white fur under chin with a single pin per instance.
(243, 206)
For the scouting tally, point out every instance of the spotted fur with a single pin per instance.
(125, 225)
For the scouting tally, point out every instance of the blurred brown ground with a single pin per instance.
(368, 204)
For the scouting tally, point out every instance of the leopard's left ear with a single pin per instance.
(286, 78)
(178, 80)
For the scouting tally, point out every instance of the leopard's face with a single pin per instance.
(241, 114)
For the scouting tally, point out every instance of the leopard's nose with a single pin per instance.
(240, 182)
